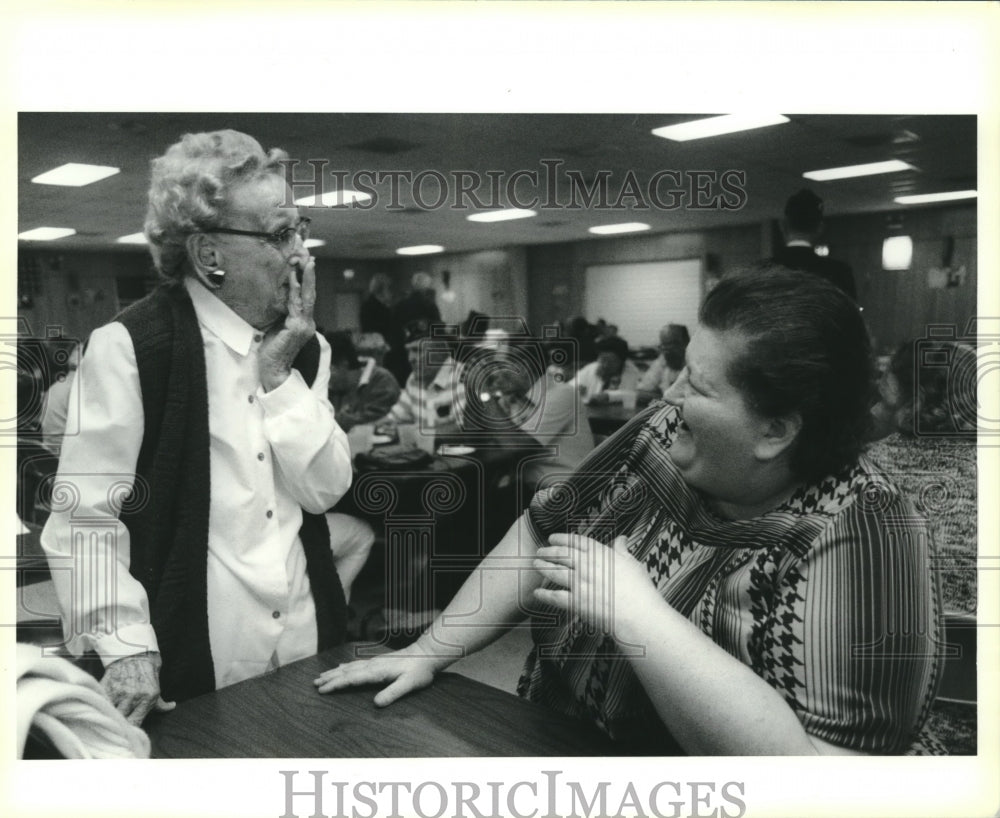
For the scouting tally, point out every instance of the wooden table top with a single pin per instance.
(281, 715)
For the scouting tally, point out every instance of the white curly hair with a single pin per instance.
(190, 187)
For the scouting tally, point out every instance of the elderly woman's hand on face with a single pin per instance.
(284, 341)
(603, 585)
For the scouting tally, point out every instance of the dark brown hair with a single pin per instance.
(807, 351)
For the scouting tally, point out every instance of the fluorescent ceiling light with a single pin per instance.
(897, 253)
(46, 233)
(924, 198)
(313, 243)
(333, 198)
(850, 171)
(717, 125)
(420, 250)
(502, 215)
(624, 227)
(75, 175)
(132, 238)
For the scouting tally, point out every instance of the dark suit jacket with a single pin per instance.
(803, 258)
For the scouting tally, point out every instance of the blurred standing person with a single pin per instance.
(377, 316)
(420, 304)
(664, 370)
(208, 445)
(376, 309)
(802, 227)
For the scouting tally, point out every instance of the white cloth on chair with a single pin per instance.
(71, 709)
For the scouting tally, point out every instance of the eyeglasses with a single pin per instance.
(282, 238)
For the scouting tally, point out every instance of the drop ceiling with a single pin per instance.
(942, 150)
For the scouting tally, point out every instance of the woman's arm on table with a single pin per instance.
(492, 600)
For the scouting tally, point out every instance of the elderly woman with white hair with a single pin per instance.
(207, 447)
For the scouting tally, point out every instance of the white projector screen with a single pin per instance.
(641, 298)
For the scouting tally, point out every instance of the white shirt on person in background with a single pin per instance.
(440, 403)
(589, 382)
(271, 455)
(658, 378)
(558, 419)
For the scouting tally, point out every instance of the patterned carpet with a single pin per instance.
(954, 725)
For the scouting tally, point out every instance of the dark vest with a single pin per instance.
(167, 511)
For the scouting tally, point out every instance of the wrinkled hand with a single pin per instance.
(604, 586)
(406, 670)
(284, 341)
(133, 685)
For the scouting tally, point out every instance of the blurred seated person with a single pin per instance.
(803, 227)
(360, 391)
(56, 405)
(420, 304)
(926, 425)
(664, 370)
(373, 345)
(611, 371)
(542, 412)
(433, 397)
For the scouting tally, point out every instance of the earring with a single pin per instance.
(216, 278)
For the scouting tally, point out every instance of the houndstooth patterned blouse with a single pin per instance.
(829, 597)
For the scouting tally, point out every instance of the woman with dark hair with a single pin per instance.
(727, 574)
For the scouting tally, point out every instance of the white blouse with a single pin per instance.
(271, 455)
